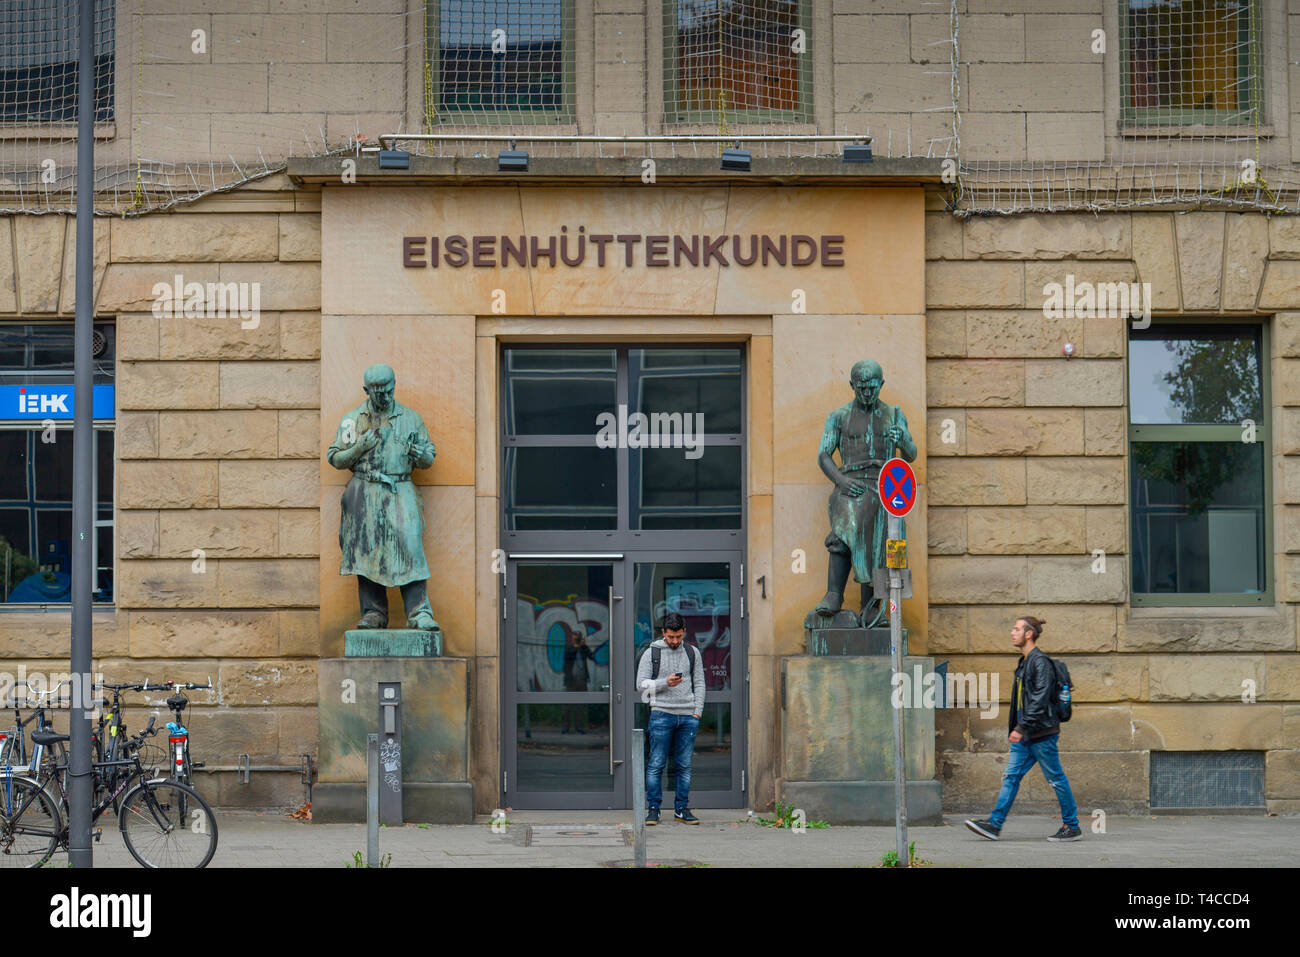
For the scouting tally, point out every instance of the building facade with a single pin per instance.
(1100, 370)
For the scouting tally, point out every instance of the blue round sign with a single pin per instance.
(897, 487)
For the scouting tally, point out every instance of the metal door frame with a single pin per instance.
(630, 545)
(621, 694)
(738, 695)
(620, 794)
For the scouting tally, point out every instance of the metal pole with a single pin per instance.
(388, 140)
(638, 794)
(896, 652)
(372, 800)
(83, 507)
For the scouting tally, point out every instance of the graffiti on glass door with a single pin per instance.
(563, 645)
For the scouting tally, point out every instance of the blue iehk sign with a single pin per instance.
(51, 402)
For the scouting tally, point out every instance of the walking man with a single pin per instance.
(1034, 732)
(671, 677)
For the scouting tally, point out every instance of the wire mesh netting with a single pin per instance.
(189, 102)
(736, 62)
(1191, 122)
(489, 63)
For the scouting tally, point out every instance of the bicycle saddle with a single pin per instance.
(46, 738)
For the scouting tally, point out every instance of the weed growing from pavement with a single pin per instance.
(786, 817)
(890, 858)
(359, 861)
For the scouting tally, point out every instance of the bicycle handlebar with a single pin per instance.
(38, 693)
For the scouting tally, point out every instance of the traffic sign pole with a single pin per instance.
(897, 490)
(896, 652)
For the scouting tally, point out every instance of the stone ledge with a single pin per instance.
(483, 171)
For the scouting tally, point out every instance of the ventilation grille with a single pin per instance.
(1207, 779)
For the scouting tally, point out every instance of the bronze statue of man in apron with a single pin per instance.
(382, 526)
(866, 433)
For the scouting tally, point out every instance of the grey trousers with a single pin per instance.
(374, 598)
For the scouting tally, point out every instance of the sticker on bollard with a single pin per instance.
(897, 487)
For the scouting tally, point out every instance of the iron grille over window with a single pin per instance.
(38, 61)
(1190, 61)
(499, 61)
(741, 60)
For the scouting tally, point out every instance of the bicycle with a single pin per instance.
(15, 739)
(111, 731)
(33, 827)
(178, 737)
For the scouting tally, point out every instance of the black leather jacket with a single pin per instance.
(1032, 713)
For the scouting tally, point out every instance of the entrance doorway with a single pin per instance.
(601, 541)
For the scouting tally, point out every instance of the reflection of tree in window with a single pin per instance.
(1215, 380)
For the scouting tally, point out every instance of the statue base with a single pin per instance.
(837, 740)
(392, 643)
(435, 735)
(842, 635)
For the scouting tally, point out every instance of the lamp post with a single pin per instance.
(83, 507)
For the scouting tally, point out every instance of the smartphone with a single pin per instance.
(678, 674)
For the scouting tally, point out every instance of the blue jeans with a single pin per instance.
(1023, 755)
(675, 731)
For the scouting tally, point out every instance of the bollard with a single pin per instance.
(638, 794)
(372, 800)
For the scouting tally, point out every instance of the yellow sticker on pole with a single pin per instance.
(895, 553)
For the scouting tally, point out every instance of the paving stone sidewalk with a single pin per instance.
(730, 839)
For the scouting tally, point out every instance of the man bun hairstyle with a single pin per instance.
(1034, 624)
(672, 622)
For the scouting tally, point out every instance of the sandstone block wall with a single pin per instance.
(1033, 479)
(216, 454)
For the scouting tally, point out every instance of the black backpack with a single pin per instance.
(1061, 691)
(656, 653)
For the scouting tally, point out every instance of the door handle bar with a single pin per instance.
(612, 672)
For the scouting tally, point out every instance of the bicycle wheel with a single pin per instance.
(158, 833)
(30, 823)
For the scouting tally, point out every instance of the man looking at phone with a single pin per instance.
(671, 677)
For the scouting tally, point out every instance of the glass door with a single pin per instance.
(622, 498)
(705, 588)
(564, 703)
(575, 630)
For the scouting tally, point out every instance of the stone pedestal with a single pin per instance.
(392, 643)
(841, 635)
(435, 734)
(837, 740)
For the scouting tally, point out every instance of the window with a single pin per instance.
(1190, 61)
(737, 60)
(36, 407)
(38, 61)
(499, 61)
(1199, 465)
(661, 426)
